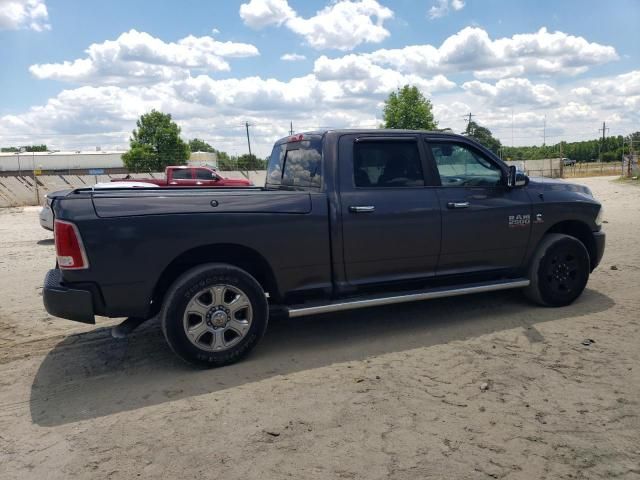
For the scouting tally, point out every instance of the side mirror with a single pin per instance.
(516, 178)
(214, 177)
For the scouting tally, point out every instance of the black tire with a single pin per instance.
(559, 271)
(186, 288)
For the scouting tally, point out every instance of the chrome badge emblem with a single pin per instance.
(519, 220)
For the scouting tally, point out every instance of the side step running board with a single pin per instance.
(363, 302)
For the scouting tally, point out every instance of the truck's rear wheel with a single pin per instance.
(214, 314)
(559, 271)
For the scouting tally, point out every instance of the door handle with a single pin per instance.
(361, 208)
(458, 205)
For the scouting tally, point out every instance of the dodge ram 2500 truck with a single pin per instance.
(347, 219)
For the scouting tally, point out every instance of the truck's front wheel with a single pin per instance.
(214, 314)
(559, 271)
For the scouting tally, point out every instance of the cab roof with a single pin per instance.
(383, 131)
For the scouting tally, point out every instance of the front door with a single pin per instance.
(205, 177)
(390, 214)
(485, 224)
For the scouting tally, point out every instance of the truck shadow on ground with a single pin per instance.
(91, 375)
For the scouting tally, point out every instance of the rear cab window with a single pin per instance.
(296, 164)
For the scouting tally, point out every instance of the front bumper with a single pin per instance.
(61, 301)
(599, 238)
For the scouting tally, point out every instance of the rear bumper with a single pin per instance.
(599, 238)
(61, 301)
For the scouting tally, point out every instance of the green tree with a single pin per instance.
(197, 145)
(250, 162)
(408, 108)
(484, 136)
(155, 144)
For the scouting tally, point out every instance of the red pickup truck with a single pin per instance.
(184, 176)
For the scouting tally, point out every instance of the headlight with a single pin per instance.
(599, 217)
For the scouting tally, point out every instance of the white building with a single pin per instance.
(46, 161)
(200, 159)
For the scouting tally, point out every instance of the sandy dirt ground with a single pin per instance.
(486, 386)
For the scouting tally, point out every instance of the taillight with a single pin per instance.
(69, 247)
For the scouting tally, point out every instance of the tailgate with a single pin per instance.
(140, 202)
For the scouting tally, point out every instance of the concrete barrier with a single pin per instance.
(16, 191)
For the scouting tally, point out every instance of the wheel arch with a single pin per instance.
(582, 232)
(239, 256)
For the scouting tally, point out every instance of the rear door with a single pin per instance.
(485, 224)
(182, 177)
(390, 212)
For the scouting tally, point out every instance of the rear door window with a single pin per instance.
(380, 164)
(182, 174)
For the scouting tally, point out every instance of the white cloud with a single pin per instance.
(472, 50)
(138, 57)
(441, 8)
(342, 25)
(18, 14)
(129, 76)
(215, 109)
(514, 91)
(262, 13)
(627, 84)
(357, 73)
(292, 57)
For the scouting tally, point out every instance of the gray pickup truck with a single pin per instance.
(347, 219)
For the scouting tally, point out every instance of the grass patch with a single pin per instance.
(628, 180)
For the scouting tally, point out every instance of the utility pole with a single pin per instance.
(291, 129)
(604, 132)
(247, 124)
(544, 132)
(468, 118)
(512, 128)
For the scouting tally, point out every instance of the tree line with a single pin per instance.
(28, 148)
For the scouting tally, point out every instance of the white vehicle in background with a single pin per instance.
(46, 214)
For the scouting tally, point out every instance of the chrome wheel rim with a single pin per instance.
(217, 318)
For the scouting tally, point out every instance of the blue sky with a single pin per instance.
(569, 73)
